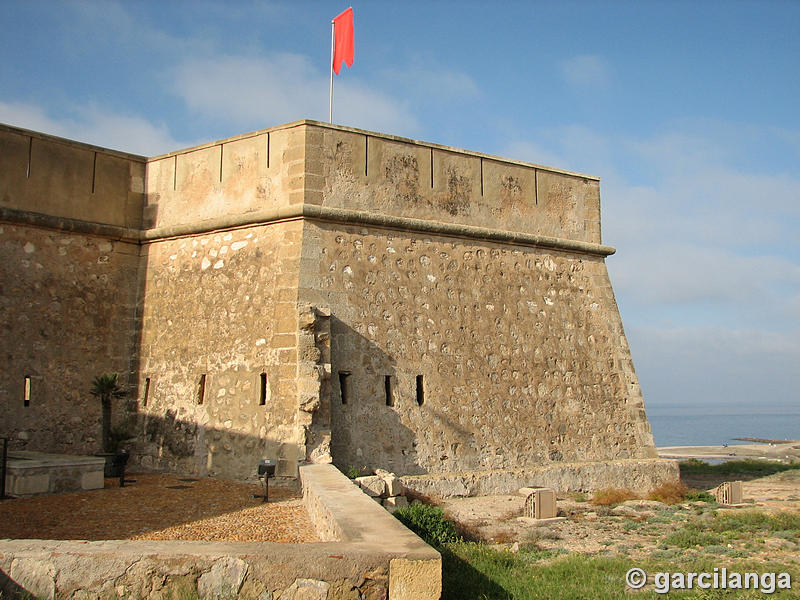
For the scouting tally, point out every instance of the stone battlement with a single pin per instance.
(301, 163)
(62, 178)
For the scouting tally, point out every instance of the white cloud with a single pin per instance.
(707, 366)
(262, 91)
(585, 71)
(664, 273)
(94, 125)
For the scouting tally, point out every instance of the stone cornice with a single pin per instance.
(304, 211)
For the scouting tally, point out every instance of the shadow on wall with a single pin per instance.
(12, 589)
(168, 443)
(372, 406)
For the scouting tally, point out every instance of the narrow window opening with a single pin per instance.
(366, 154)
(175, 173)
(30, 152)
(268, 150)
(221, 146)
(481, 177)
(26, 397)
(201, 390)
(344, 386)
(387, 388)
(535, 186)
(146, 396)
(262, 395)
(94, 170)
(431, 167)
(420, 390)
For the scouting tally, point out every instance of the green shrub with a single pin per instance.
(700, 496)
(747, 466)
(429, 523)
(691, 536)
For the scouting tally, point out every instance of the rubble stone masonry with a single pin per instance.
(311, 292)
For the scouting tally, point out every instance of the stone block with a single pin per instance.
(224, 580)
(417, 579)
(92, 480)
(372, 485)
(306, 589)
(393, 486)
(29, 484)
(392, 503)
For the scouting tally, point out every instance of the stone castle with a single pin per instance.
(311, 292)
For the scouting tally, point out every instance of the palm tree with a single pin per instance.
(106, 388)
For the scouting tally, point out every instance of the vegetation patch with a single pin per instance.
(724, 528)
(612, 496)
(429, 523)
(758, 468)
(700, 496)
(476, 571)
(670, 492)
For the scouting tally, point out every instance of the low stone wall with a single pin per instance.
(336, 505)
(374, 558)
(32, 473)
(639, 475)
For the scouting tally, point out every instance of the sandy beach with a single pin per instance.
(786, 451)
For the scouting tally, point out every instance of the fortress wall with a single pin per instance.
(221, 305)
(521, 351)
(67, 314)
(251, 173)
(61, 178)
(394, 176)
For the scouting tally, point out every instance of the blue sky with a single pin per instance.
(687, 110)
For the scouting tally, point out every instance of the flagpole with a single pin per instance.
(330, 105)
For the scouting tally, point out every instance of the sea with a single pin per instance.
(717, 429)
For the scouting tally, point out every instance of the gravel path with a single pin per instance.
(161, 507)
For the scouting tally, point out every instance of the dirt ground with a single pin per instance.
(634, 528)
(161, 507)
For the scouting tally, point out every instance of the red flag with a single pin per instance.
(344, 48)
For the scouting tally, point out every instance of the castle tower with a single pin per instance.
(312, 292)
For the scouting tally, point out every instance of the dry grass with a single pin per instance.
(511, 514)
(670, 492)
(411, 495)
(469, 532)
(611, 496)
(503, 536)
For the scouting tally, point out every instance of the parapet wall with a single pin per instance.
(306, 162)
(256, 172)
(336, 167)
(62, 178)
(363, 171)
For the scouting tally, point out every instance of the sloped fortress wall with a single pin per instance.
(312, 292)
(69, 260)
(463, 341)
